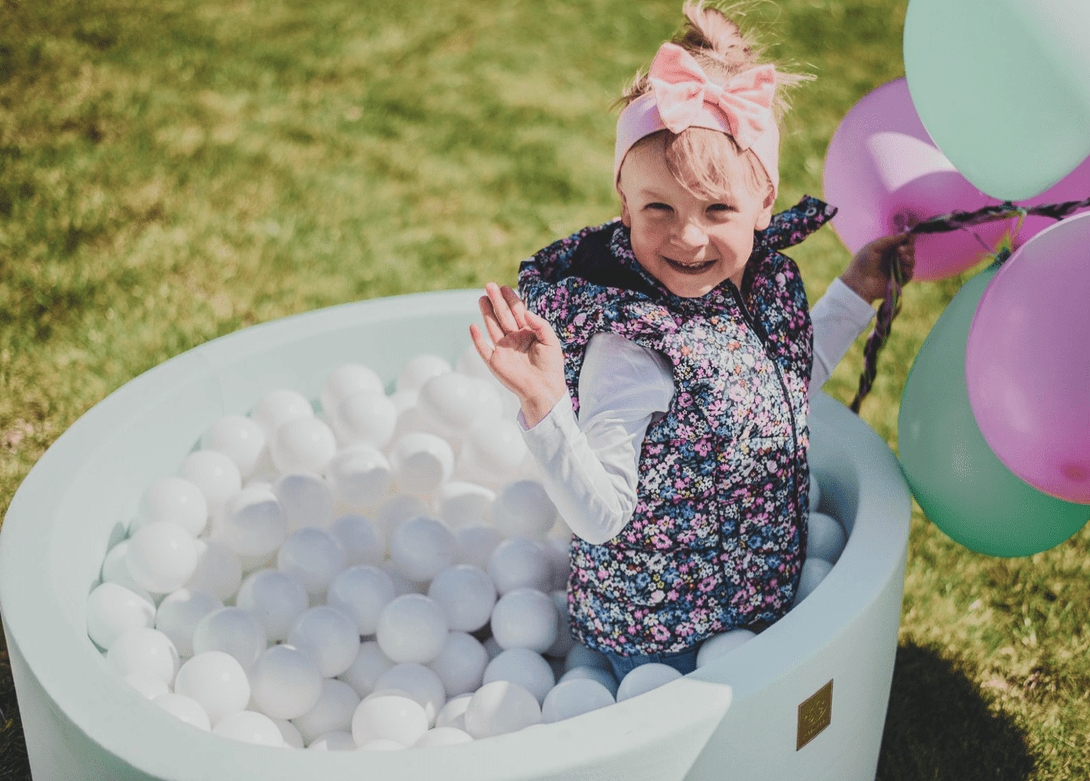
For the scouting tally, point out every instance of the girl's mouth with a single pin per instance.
(689, 268)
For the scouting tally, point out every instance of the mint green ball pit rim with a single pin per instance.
(735, 718)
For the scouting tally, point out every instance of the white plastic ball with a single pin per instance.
(564, 641)
(147, 685)
(443, 736)
(501, 707)
(525, 618)
(232, 630)
(291, 736)
(574, 697)
(112, 610)
(286, 682)
(476, 542)
(347, 380)
(398, 508)
(360, 475)
(239, 438)
(417, 681)
(278, 407)
(338, 740)
(581, 656)
(825, 538)
(307, 499)
(253, 524)
(520, 563)
(313, 556)
(466, 594)
(364, 542)
(219, 570)
(460, 503)
(421, 462)
(216, 681)
(185, 709)
(493, 451)
(328, 636)
(419, 369)
(721, 644)
(368, 667)
(215, 474)
(453, 713)
(422, 547)
(275, 599)
(115, 569)
(367, 417)
(813, 572)
(161, 557)
(815, 492)
(645, 678)
(361, 592)
(331, 713)
(412, 628)
(173, 500)
(147, 651)
(598, 674)
(180, 612)
(523, 509)
(402, 584)
(453, 400)
(460, 665)
(522, 666)
(389, 717)
(249, 727)
(302, 445)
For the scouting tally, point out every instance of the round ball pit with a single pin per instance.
(764, 710)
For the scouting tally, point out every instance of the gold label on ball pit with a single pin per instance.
(815, 714)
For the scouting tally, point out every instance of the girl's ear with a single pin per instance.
(626, 217)
(764, 218)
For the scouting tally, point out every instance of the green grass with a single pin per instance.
(175, 170)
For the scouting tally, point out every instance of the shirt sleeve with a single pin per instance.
(839, 317)
(590, 467)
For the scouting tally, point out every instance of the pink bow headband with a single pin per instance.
(682, 96)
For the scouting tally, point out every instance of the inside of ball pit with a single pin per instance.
(78, 501)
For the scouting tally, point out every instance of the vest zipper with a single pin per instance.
(762, 337)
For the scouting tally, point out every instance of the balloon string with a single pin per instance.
(891, 304)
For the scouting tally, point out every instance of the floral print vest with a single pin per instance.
(717, 538)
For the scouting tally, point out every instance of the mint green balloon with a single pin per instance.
(1003, 88)
(961, 485)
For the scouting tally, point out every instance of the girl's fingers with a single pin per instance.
(501, 308)
(541, 328)
(515, 304)
(484, 349)
(488, 312)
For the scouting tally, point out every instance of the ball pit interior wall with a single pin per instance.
(736, 718)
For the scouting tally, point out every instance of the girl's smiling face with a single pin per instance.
(691, 245)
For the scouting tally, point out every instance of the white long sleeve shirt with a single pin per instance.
(590, 466)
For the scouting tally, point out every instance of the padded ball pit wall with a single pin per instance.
(805, 699)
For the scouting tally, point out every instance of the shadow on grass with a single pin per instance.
(13, 759)
(939, 727)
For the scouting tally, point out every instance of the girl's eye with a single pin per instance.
(720, 207)
(659, 207)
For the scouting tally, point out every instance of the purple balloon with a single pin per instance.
(1027, 361)
(883, 172)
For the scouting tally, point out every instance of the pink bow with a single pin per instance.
(682, 88)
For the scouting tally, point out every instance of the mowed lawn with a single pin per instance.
(176, 170)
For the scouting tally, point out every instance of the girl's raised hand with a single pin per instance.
(869, 270)
(521, 350)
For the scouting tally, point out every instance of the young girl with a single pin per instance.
(664, 360)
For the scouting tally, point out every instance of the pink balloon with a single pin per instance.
(1073, 187)
(883, 172)
(1027, 361)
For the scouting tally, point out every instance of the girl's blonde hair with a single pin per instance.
(705, 161)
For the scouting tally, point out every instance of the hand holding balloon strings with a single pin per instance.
(955, 220)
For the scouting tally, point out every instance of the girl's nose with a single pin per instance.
(692, 235)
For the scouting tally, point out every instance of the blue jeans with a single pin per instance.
(682, 661)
